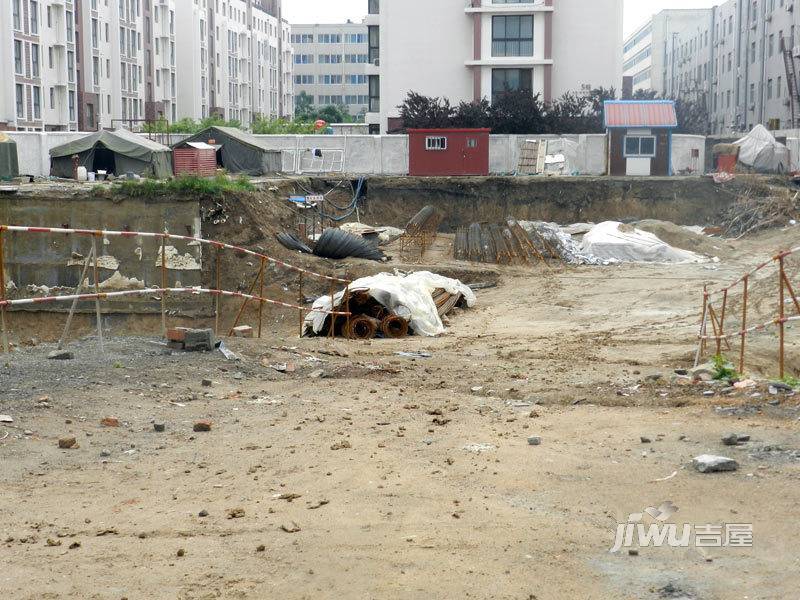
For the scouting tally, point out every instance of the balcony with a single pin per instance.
(373, 68)
(487, 7)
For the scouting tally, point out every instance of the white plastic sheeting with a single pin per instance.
(613, 241)
(759, 150)
(407, 296)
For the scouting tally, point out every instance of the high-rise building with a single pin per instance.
(329, 65)
(738, 60)
(93, 64)
(39, 90)
(235, 60)
(466, 51)
(125, 64)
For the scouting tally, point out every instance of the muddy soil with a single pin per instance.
(336, 469)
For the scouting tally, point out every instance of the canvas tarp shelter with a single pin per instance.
(117, 152)
(759, 150)
(239, 151)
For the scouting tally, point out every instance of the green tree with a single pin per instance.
(304, 107)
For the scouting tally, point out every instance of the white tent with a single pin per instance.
(759, 150)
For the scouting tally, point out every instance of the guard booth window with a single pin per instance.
(640, 146)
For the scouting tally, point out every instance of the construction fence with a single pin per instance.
(90, 279)
(760, 303)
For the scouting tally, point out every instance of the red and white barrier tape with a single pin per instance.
(143, 292)
(755, 270)
(170, 236)
(753, 329)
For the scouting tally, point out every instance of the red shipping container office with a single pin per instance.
(195, 158)
(443, 152)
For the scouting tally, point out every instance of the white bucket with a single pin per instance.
(82, 174)
(91, 176)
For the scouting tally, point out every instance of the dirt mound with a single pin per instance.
(685, 239)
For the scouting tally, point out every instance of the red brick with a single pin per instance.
(202, 425)
(110, 422)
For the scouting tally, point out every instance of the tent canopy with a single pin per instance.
(760, 150)
(239, 151)
(131, 153)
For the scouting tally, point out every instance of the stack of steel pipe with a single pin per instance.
(368, 319)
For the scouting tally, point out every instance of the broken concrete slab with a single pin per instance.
(60, 355)
(708, 463)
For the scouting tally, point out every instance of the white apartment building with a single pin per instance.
(329, 65)
(37, 66)
(125, 62)
(740, 59)
(234, 59)
(467, 50)
(647, 52)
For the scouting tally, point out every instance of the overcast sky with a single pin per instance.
(338, 11)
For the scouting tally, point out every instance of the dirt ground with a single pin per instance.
(359, 473)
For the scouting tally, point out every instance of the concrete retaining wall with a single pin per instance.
(46, 260)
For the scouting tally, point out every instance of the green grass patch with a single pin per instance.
(185, 185)
(724, 369)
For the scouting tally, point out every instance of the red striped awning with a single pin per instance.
(644, 113)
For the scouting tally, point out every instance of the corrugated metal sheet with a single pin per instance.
(645, 113)
(192, 161)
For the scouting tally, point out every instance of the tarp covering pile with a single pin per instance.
(407, 296)
(554, 242)
(615, 242)
(132, 153)
(239, 151)
(760, 151)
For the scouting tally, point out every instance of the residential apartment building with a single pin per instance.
(738, 59)
(92, 64)
(646, 53)
(477, 49)
(37, 66)
(125, 62)
(329, 65)
(235, 60)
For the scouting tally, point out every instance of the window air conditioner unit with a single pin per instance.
(796, 51)
(376, 62)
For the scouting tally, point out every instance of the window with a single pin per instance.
(16, 11)
(52, 98)
(50, 57)
(37, 102)
(374, 7)
(70, 26)
(778, 88)
(95, 34)
(35, 67)
(769, 89)
(374, 34)
(18, 57)
(20, 91)
(49, 18)
(640, 146)
(512, 35)
(472, 143)
(435, 143)
(96, 70)
(510, 80)
(34, 16)
(374, 93)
